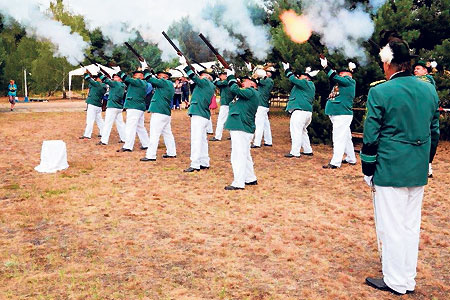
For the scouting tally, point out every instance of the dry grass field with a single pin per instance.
(112, 227)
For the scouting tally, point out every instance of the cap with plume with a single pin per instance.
(351, 66)
(395, 50)
(433, 64)
(308, 72)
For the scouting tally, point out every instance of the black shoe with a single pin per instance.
(213, 139)
(123, 150)
(84, 137)
(253, 146)
(121, 142)
(101, 143)
(267, 145)
(379, 284)
(229, 138)
(346, 162)
(210, 133)
(307, 154)
(168, 156)
(204, 167)
(99, 135)
(143, 148)
(191, 169)
(329, 166)
(290, 156)
(430, 175)
(147, 159)
(252, 183)
(232, 188)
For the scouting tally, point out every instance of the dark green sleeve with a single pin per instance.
(221, 83)
(338, 79)
(434, 132)
(372, 126)
(243, 94)
(156, 82)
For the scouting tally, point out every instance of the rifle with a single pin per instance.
(196, 62)
(320, 53)
(98, 65)
(139, 57)
(216, 53)
(178, 50)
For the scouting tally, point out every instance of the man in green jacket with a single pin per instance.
(300, 106)
(265, 86)
(160, 122)
(339, 108)
(241, 124)
(200, 115)
(94, 102)
(135, 105)
(400, 131)
(225, 98)
(114, 108)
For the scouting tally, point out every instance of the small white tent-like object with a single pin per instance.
(93, 69)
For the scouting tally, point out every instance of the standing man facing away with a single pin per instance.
(300, 107)
(160, 122)
(200, 115)
(339, 108)
(94, 102)
(400, 131)
(12, 93)
(225, 98)
(114, 108)
(135, 105)
(241, 124)
(262, 122)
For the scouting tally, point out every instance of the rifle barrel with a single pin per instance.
(216, 53)
(134, 51)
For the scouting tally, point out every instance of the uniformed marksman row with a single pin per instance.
(243, 111)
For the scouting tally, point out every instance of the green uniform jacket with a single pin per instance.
(242, 112)
(116, 92)
(401, 127)
(225, 94)
(162, 98)
(428, 78)
(340, 100)
(201, 96)
(137, 89)
(302, 93)
(265, 87)
(96, 91)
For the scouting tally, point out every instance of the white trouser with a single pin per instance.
(398, 212)
(342, 140)
(221, 119)
(300, 121)
(160, 124)
(199, 142)
(135, 124)
(93, 114)
(262, 126)
(241, 158)
(210, 129)
(111, 115)
(430, 169)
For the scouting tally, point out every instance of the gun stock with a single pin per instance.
(216, 53)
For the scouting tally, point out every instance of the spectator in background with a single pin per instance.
(177, 96)
(185, 91)
(12, 93)
(212, 108)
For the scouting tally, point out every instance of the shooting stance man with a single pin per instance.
(225, 98)
(114, 108)
(135, 105)
(401, 127)
(241, 124)
(200, 115)
(94, 102)
(339, 108)
(265, 85)
(160, 122)
(300, 107)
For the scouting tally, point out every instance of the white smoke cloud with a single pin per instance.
(376, 4)
(119, 20)
(31, 15)
(341, 30)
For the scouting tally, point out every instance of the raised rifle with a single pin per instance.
(139, 57)
(216, 53)
(178, 50)
(320, 53)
